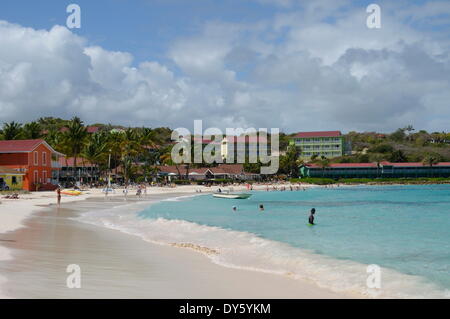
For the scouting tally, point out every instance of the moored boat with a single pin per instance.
(232, 195)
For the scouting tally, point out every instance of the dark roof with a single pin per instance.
(318, 134)
(374, 165)
(222, 169)
(92, 129)
(69, 161)
(23, 146)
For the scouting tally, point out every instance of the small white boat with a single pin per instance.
(232, 195)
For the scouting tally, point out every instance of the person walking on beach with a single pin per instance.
(58, 195)
(311, 217)
(125, 192)
(139, 191)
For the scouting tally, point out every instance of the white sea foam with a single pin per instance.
(179, 198)
(246, 251)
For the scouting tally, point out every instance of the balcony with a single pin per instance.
(56, 165)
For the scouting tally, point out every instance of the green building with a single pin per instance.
(326, 143)
(376, 170)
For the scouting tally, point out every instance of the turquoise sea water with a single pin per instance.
(403, 229)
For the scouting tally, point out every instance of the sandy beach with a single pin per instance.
(38, 241)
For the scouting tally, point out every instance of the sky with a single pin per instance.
(296, 65)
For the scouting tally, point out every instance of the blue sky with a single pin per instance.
(291, 64)
(144, 28)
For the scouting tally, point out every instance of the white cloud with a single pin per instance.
(299, 71)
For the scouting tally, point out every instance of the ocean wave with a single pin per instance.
(180, 198)
(243, 250)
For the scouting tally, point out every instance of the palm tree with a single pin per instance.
(56, 140)
(430, 160)
(96, 150)
(409, 129)
(75, 139)
(166, 158)
(32, 131)
(130, 147)
(323, 163)
(115, 139)
(12, 131)
(149, 138)
(378, 158)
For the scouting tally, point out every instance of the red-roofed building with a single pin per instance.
(227, 171)
(92, 129)
(85, 171)
(323, 143)
(318, 134)
(374, 170)
(33, 158)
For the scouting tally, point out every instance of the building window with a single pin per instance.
(44, 158)
(36, 158)
(44, 176)
(36, 177)
(14, 180)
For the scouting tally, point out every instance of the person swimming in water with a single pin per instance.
(261, 207)
(311, 217)
(234, 208)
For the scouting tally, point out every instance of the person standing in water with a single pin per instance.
(311, 217)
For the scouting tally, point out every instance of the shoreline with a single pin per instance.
(285, 287)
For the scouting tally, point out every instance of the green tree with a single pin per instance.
(75, 139)
(166, 159)
(96, 150)
(397, 157)
(32, 131)
(12, 131)
(399, 135)
(130, 146)
(382, 148)
(323, 163)
(430, 160)
(288, 162)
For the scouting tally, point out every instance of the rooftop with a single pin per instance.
(69, 161)
(318, 134)
(374, 165)
(222, 169)
(23, 146)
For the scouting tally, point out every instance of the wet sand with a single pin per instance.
(118, 265)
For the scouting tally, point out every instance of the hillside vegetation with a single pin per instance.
(403, 145)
